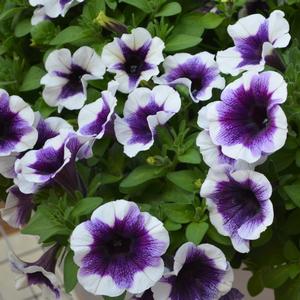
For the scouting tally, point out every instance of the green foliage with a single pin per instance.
(70, 272)
(165, 180)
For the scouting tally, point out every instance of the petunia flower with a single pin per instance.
(47, 129)
(51, 8)
(239, 204)
(119, 250)
(55, 161)
(18, 208)
(17, 133)
(40, 273)
(255, 39)
(200, 273)
(66, 80)
(133, 57)
(249, 123)
(95, 118)
(199, 73)
(212, 154)
(233, 294)
(144, 110)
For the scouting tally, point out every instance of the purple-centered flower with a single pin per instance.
(17, 133)
(119, 249)
(212, 154)
(144, 110)
(255, 39)
(133, 57)
(18, 208)
(200, 273)
(47, 129)
(199, 72)
(40, 273)
(50, 9)
(249, 123)
(55, 161)
(239, 204)
(233, 294)
(95, 118)
(66, 80)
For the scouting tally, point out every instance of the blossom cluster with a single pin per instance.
(122, 249)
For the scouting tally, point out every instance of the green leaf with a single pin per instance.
(41, 106)
(181, 41)
(86, 206)
(32, 79)
(217, 237)
(292, 224)
(44, 224)
(70, 272)
(298, 158)
(191, 156)
(179, 213)
(10, 13)
(255, 284)
(70, 34)
(211, 20)
(275, 277)
(112, 4)
(195, 232)
(143, 5)
(23, 28)
(92, 8)
(169, 9)
(141, 175)
(184, 179)
(171, 226)
(43, 32)
(290, 251)
(293, 192)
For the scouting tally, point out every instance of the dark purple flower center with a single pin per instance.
(74, 84)
(237, 202)
(257, 116)
(198, 278)
(194, 69)
(139, 124)
(48, 161)
(251, 47)
(118, 245)
(44, 133)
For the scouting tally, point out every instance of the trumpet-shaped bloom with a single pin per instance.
(255, 39)
(200, 273)
(55, 161)
(199, 72)
(18, 208)
(119, 249)
(66, 80)
(212, 154)
(144, 110)
(133, 57)
(40, 273)
(50, 9)
(95, 117)
(239, 204)
(249, 123)
(17, 133)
